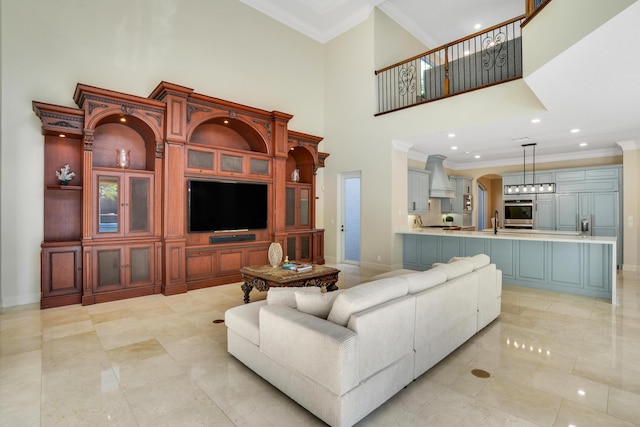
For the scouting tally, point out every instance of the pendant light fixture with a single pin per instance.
(533, 188)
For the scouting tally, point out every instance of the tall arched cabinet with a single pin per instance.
(125, 225)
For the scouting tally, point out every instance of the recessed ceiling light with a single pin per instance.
(583, 144)
(535, 120)
(477, 26)
(575, 130)
(452, 135)
(454, 148)
(123, 119)
(521, 139)
(466, 152)
(477, 156)
(62, 135)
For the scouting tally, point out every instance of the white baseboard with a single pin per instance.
(20, 300)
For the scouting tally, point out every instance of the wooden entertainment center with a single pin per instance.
(120, 227)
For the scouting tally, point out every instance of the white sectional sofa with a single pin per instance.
(342, 354)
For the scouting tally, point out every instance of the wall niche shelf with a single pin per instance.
(65, 187)
(124, 232)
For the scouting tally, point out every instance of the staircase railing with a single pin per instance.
(482, 59)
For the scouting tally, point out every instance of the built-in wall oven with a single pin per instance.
(518, 213)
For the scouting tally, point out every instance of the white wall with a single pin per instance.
(561, 25)
(220, 48)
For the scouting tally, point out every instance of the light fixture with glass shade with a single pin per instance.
(533, 188)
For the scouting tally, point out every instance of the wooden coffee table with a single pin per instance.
(263, 277)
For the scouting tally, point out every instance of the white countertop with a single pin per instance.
(513, 234)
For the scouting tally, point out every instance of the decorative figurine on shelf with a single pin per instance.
(64, 175)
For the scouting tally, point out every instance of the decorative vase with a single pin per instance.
(275, 254)
(64, 182)
(123, 158)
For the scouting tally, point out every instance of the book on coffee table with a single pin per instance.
(299, 268)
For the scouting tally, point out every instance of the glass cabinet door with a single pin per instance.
(124, 204)
(139, 209)
(305, 194)
(290, 207)
(298, 206)
(109, 204)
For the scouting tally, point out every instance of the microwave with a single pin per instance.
(518, 213)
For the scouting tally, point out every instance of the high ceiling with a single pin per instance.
(602, 99)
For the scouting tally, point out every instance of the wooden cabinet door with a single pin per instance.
(299, 247)
(108, 271)
(123, 266)
(200, 265)
(139, 264)
(61, 271)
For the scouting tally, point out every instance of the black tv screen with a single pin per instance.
(226, 206)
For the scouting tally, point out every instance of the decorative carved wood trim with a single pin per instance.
(58, 119)
(191, 109)
(266, 125)
(88, 140)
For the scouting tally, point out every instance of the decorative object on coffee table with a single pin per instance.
(275, 254)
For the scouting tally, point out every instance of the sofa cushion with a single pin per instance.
(243, 320)
(366, 295)
(456, 269)
(478, 261)
(425, 279)
(393, 273)
(316, 304)
(287, 296)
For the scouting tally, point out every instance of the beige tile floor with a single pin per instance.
(554, 359)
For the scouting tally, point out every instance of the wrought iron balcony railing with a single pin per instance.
(482, 59)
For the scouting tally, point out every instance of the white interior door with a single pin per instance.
(350, 227)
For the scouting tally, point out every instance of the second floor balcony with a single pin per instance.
(479, 60)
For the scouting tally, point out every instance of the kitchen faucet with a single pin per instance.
(495, 224)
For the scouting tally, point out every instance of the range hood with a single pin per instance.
(440, 187)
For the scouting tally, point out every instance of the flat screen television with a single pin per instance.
(226, 206)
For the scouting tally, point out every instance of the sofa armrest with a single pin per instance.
(316, 348)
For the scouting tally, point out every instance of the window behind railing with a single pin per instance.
(482, 59)
(533, 5)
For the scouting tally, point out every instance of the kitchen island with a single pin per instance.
(555, 261)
